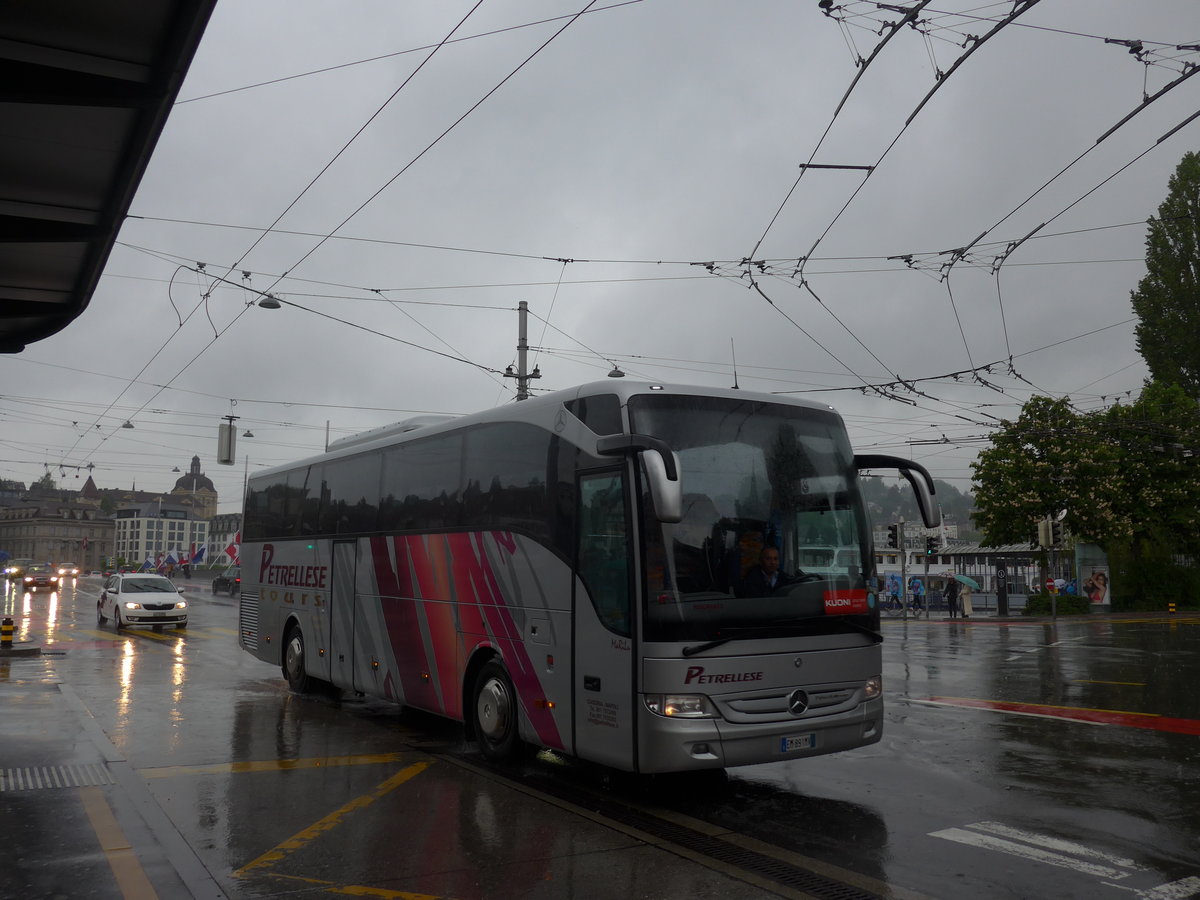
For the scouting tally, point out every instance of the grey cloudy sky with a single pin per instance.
(643, 141)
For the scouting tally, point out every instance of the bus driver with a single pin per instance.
(766, 577)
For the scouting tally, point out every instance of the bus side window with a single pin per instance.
(604, 548)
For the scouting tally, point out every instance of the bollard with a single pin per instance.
(1170, 608)
(6, 633)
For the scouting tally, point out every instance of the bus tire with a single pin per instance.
(293, 662)
(494, 713)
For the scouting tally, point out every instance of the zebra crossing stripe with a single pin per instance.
(45, 777)
(986, 841)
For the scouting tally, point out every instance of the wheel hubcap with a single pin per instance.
(494, 709)
(295, 654)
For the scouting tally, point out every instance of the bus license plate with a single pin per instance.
(800, 742)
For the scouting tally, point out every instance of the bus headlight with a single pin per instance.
(681, 706)
(873, 688)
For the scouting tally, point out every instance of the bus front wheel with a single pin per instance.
(293, 662)
(495, 713)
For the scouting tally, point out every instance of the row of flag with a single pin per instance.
(194, 558)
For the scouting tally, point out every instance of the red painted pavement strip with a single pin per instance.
(1080, 714)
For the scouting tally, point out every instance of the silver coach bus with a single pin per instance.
(578, 572)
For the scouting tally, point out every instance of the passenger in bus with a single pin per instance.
(765, 578)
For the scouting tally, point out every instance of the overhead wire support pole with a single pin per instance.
(522, 375)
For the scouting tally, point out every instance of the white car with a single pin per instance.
(141, 599)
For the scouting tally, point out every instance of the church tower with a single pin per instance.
(195, 489)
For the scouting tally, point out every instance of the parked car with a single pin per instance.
(229, 581)
(68, 570)
(141, 599)
(40, 577)
(15, 568)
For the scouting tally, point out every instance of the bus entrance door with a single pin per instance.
(604, 653)
(341, 613)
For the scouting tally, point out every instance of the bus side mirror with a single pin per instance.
(666, 494)
(917, 475)
(660, 466)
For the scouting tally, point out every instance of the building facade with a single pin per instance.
(57, 531)
(157, 533)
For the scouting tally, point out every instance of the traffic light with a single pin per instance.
(1056, 533)
(1045, 533)
(894, 536)
(931, 546)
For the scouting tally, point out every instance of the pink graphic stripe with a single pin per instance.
(477, 583)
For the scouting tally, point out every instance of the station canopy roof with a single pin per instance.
(85, 89)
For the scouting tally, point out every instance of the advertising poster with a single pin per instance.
(1095, 585)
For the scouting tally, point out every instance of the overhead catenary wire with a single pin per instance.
(385, 56)
(204, 296)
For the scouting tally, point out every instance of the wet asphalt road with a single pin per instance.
(1019, 760)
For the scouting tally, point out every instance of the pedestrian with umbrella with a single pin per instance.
(964, 595)
(952, 597)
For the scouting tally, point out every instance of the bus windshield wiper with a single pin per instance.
(875, 636)
(707, 645)
(716, 642)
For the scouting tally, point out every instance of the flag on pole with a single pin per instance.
(197, 555)
(234, 550)
(172, 557)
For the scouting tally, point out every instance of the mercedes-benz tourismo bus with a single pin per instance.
(574, 572)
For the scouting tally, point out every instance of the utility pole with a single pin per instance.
(523, 378)
(903, 566)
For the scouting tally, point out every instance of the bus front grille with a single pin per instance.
(777, 705)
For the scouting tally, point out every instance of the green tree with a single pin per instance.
(1128, 477)
(1034, 467)
(1167, 300)
(45, 482)
(1158, 437)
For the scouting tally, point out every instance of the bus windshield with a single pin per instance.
(773, 534)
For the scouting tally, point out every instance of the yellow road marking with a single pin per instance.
(95, 632)
(301, 839)
(274, 765)
(131, 880)
(157, 636)
(358, 890)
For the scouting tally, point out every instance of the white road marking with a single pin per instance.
(1053, 843)
(1175, 890)
(1067, 855)
(991, 842)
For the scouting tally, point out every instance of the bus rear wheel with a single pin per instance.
(293, 662)
(494, 712)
